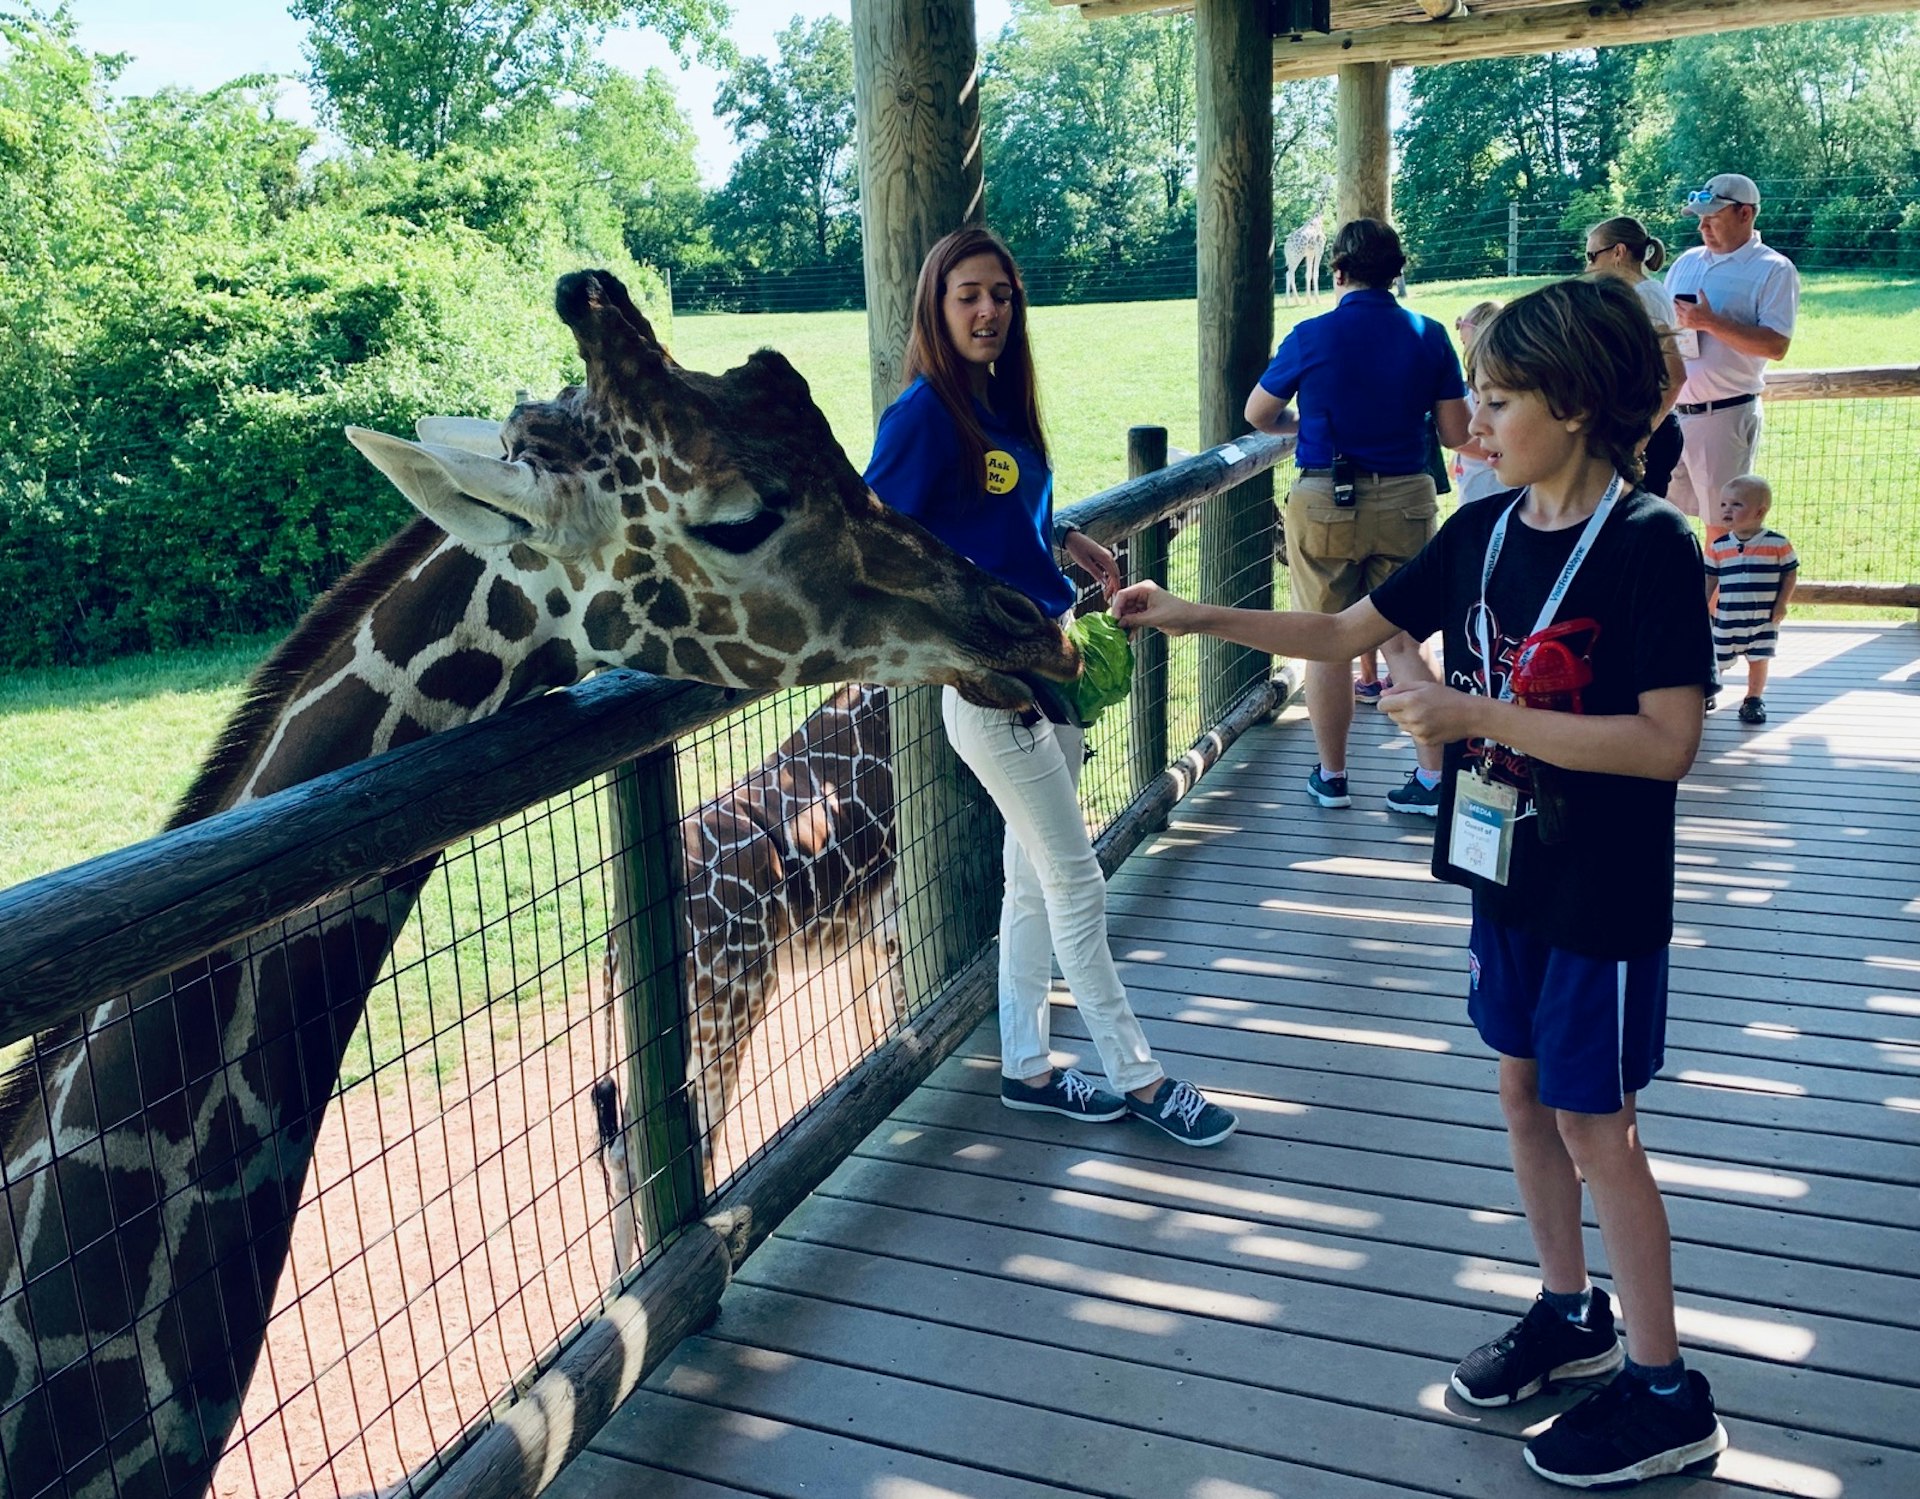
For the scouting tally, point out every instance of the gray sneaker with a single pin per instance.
(1182, 1111)
(1070, 1094)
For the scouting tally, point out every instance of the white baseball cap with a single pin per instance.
(1724, 191)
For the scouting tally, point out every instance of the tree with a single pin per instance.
(633, 142)
(1090, 133)
(792, 197)
(420, 75)
(1484, 134)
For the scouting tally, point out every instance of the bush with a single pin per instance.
(202, 486)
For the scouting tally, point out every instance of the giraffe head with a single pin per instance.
(708, 526)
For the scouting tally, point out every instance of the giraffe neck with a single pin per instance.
(194, 1105)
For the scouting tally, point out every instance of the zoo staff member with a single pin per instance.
(962, 452)
(1366, 376)
(1735, 301)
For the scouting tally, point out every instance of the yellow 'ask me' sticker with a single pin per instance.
(1003, 474)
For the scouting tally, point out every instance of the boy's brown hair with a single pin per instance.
(1589, 348)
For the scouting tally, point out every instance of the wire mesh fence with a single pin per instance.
(1820, 223)
(1845, 484)
(526, 1064)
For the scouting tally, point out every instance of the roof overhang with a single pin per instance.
(1408, 34)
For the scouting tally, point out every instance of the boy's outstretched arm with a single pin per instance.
(1307, 637)
(1657, 743)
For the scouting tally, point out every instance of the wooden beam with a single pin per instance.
(1550, 28)
(1234, 280)
(1362, 132)
(1852, 383)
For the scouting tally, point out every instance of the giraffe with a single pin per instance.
(153, 1149)
(1304, 248)
(792, 863)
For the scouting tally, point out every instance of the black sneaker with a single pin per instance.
(1754, 710)
(1625, 1434)
(1416, 797)
(1182, 1110)
(1070, 1093)
(1540, 1347)
(1329, 791)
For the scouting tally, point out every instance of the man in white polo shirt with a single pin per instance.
(1734, 301)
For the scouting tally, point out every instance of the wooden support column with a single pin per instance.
(1234, 51)
(916, 88)
(916, 91)
(1365, 189)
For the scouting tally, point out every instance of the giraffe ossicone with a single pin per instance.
(692, 525)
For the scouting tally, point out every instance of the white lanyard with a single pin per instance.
(1555, 597)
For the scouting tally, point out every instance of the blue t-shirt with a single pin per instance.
(920, 469)
(1366, 374)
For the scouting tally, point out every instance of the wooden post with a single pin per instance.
(1365, 190)
(917, 99)
(1513, 240)
(1234, 51)
(648, 938)
(1147, 558)
(916, 95)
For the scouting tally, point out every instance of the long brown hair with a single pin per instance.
(1589, 348)
(930, 352)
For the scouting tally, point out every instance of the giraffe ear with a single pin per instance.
(474, 433)
(482, 501)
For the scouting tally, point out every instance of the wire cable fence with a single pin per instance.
(538, 1017)
(1820, 223)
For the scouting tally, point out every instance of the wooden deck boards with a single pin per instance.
(984, 1303)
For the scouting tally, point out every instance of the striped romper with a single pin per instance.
(1748, 574)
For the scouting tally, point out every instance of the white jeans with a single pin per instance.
(1056, 897)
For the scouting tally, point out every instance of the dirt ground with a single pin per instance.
(450, 1235)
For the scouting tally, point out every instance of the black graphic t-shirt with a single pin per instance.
(1634, 620)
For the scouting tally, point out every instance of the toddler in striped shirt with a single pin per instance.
(1750, 577)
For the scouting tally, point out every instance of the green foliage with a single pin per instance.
(190, 323)
(793, 195)
(1089, 134)
(420, 75)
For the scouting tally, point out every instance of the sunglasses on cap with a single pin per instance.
(1704, 196)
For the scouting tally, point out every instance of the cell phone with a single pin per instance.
(1686, 296)
(1343, 483)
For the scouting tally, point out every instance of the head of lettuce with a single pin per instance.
(1106, 672)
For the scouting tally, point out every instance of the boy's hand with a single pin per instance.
(1150, 604)
(1779, 615)
(1432, 714)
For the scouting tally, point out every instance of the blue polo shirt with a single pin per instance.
(919, 468)
(1366, 375)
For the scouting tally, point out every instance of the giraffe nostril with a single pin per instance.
(1012, 609)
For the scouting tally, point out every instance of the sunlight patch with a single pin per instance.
(1240, 1198)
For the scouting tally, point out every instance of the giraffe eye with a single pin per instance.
(739, 536)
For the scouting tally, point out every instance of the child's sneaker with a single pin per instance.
(1416, 797)
(1070, 1093)
(1541, 1346)
(1329, 791)
(1625, 1434)
(1754, 710)
(1366, 692)
(1182, 1110)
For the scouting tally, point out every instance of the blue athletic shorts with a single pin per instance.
(1596, 1026)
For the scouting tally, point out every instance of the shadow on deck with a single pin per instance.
(984, 1304)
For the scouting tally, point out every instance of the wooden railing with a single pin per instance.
(1830, 489)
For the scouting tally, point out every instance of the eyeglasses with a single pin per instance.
(1706, 195)
(1593, 255)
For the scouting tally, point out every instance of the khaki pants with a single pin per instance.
(1716, 446)
(1337, 555)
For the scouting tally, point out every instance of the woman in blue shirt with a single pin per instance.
(962, 452)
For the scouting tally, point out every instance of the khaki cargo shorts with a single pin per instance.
(1337, 556)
